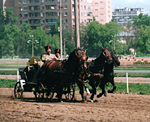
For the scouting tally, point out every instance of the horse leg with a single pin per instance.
(102, 86)
(114, 86)
(84, 84)
(92, 84)
(80, 85)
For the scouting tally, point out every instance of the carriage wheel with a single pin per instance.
(50, 95)
(70, 95)
(18, 90)
(39, 91)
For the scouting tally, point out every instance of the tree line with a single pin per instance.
(14, 40)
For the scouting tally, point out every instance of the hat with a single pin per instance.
(57, 51)
(47, 47)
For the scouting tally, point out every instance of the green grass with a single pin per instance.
(4, 83)
(8, 72)
(134, 88)
(145, 75)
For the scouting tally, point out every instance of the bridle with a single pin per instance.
(107, 57)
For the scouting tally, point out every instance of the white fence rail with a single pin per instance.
(116, 71)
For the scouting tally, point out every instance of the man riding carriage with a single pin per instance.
(55, 72)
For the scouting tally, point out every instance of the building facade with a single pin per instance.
(45, 13)
(122, 16)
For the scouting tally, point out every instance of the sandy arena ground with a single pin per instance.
(113, 108)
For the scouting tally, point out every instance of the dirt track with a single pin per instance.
(113, 108)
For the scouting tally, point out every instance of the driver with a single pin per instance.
(48, 55)
(57, 54)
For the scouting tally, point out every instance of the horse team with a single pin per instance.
(76, 70)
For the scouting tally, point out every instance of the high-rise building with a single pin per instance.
(122, 16)
(100, 9)
(44, 13)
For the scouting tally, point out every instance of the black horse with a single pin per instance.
(94, 70)
(57, 73)
(109, 74)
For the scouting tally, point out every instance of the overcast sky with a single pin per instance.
(132, 4)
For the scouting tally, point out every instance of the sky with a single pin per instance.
(132, 4)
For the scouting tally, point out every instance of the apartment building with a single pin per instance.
(122, 16)
(44, 13)
(100, 9)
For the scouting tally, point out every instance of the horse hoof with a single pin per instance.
(99, 95)
(109, 91)
(91, 101)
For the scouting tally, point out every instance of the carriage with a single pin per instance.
(28, 83)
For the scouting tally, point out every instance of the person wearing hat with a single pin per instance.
(45, 57)
(48, 55)
(57, 54)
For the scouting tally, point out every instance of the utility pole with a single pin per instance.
(77, 32)
(60, 30)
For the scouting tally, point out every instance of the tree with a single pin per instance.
(95, 35)
(6, 18)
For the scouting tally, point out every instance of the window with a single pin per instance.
(20, 22)
(66, 20)
(25, 15)
(84, 13)
(20, 1)
(26, 21)
(51, 20)
(20, 9)
(66, 27)
(65, 0)
(89, 7)
(84, 20)
(42, 14)
(65, 7)
(43, 21)
(84, 7)
(34, 21)
(42, 1)
(25, 1)
(51, 13)
(65, 14)
(81, 6)
(20, 15)
(81, 14)
(81, 20)
(25, 8)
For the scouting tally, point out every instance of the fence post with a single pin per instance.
(17, 75)
(127, 82)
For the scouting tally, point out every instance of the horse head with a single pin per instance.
(107, 55)
(115, 59)
(79, 55)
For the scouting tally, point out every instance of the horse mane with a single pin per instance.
(73, 55)
(99, 59)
